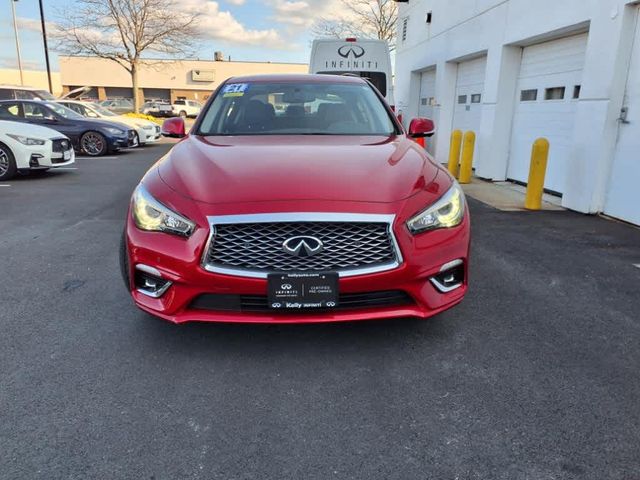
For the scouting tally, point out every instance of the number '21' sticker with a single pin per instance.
(235, 89)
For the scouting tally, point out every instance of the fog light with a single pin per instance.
(451, 276)
(149, 281)
(34, 161)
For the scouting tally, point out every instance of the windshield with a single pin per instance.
(64, 111)
(296, 108)
(102, 111)
(44, 95)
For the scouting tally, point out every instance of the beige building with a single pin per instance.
(160, 79)
(32, 78)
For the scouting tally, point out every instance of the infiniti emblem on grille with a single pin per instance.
(302, 246)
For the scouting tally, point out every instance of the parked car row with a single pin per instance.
(43, 134)
(155, 107)
(146, 130)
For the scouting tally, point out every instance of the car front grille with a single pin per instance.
(354, 245)
(260, 304)
(60, 145)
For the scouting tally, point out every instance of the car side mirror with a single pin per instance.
(421, 127)
(173, 127)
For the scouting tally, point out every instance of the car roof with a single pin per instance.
(26, 100)
(20, 87)
(298, 77)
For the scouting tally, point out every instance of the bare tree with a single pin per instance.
(362, 18)
(124, 30)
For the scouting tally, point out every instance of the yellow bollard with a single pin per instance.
(537, 172)
(454, 152)
(468, 144)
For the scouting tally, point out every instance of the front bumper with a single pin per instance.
(42, 158)
(178, 260)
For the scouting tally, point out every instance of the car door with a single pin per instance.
(39, 114)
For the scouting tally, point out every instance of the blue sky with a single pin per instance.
(248, 30)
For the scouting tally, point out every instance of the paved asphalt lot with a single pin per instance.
(535, 376)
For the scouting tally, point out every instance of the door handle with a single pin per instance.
(624, 112)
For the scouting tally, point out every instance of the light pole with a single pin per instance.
(46, 48)
(15, 30)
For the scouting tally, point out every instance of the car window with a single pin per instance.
(297, 108)
(35, 111)
(25, 95)
(79, 109)
(10, 111)
(101, 111)
(63, 111)
(6, 94)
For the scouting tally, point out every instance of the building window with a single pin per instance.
(431, 101)
(423, 101)
(554, 93)
(462, 99)
(528, 95)
(476, 98)
(576, 91)
(429, 18)
(405, 21)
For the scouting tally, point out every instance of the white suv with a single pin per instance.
(15, 92)
(26, 147)
(186, 108)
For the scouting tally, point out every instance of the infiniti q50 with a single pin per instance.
(296, 198)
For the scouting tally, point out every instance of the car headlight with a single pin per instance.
(447, 212)
(27, 140)
(114, 131)
(152, 216)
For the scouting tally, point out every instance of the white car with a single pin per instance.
(186, 108)
(146, 130)
(25, 147)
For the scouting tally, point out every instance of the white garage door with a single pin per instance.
(546, 101)
(623, 195)
(469, 91)
(427, 93)
(427, 100)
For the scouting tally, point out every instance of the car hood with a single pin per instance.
(279, 168)
(29, 130)
(107, 124)
(134, 121)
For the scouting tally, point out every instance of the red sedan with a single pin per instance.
(296, 198)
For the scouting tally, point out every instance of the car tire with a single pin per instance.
(124, 261)
(8, 167)
(182, 114)
(93, 143)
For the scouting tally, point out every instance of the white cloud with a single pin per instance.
(302, 14)
(236, 2)
(222, 25)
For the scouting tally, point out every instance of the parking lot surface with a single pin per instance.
(534, 376)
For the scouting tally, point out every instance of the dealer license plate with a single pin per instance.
(290, 291)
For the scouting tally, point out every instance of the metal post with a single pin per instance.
(466, 164)
(537, 172)
(454, 152)
(46, 47)
(15, 30)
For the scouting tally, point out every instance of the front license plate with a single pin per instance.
(290, 291)
(67, 155)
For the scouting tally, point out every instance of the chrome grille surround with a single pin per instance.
(373, 235)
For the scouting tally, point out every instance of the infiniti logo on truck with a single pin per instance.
(355, 51)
